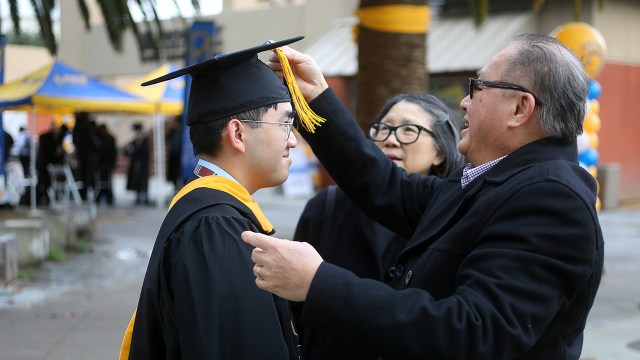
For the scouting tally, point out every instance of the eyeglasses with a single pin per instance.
(405, 133)
(288, 125)
(477, 85)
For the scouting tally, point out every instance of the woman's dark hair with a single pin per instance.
(445, 134)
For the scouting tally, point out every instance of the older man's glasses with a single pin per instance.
(478, 85)
(287, 125)
(405, 134)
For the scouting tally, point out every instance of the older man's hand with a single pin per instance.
(285, 268)
(308, 75)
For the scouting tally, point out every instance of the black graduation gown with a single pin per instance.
(199, 299)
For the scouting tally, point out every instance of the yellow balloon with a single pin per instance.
(594, 140)
(598, 204)
(594, 106)
(591, 123)
(586, 42)
(593, 170)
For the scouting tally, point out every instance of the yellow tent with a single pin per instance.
(167, 96)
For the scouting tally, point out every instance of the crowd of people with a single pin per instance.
(90, 152)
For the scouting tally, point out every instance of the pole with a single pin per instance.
(159, 156)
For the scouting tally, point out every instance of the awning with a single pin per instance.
(454, 44)
(167, 96)
(58, 86)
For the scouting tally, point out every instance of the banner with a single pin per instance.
(200, 48)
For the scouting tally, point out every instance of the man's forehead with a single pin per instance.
(495, 64)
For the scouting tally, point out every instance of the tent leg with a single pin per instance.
(159, 156)
(32, 155)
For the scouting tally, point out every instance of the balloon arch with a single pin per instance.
(589, 45)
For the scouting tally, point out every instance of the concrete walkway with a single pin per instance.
(79, 308)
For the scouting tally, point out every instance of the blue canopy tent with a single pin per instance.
(59, 88)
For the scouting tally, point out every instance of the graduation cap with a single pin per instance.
(229, 84)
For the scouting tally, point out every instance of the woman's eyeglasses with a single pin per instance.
(477, 85)
(405, 134)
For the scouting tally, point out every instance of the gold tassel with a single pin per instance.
(308, 118)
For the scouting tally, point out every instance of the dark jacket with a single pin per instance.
(506, 268)
(138, 172)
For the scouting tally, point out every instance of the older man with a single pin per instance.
(505, 255)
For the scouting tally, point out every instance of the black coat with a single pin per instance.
(506, 268)
(138, 172)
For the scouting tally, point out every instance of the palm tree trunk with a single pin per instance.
(388, 64)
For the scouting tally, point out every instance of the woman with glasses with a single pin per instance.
(415, 131)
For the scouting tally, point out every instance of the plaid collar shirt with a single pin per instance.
(469, 173)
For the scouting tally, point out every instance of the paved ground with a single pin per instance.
(78, 309)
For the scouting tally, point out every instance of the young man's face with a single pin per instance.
(269, 147)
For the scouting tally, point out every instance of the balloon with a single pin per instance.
(591, 122)
(594, 106)
(594, 140)
(586, 42)
(589, 157)
(598, 204)
(593, 170)
(594, 90)
(583, 142)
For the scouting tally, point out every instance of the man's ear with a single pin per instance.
(235, 135)
(523, 110)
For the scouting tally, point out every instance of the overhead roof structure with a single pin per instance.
(454, 44)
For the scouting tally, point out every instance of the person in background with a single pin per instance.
(174, 152)
(22, 150)
(198, 298)
(106, 165)
(138, 173)
(505, 255)
(8, 145)
(49, 152)
(414, 131)
(87, 146)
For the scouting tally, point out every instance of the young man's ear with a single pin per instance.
(235, 135)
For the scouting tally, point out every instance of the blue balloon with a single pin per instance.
(594, 90)
(589, 157)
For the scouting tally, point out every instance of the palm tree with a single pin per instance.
(116, 14)
(391, 63)
(388, 63)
